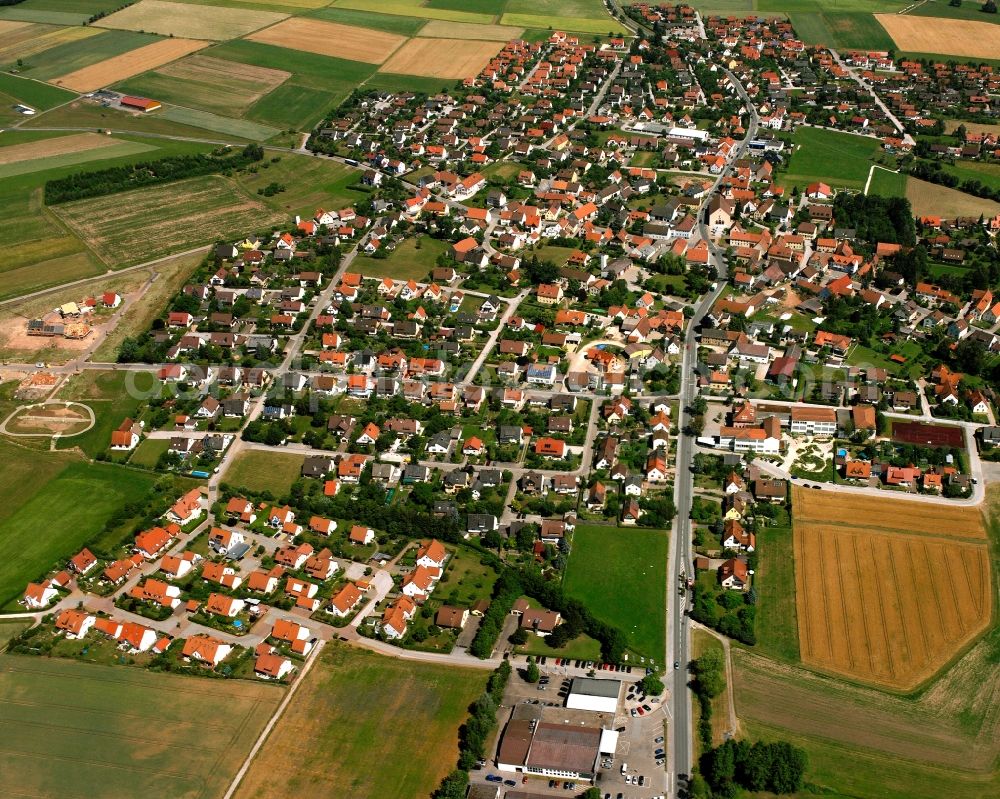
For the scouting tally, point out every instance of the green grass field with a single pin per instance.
(404, 26)
(239, 128)
(39, 96)
(842, 30)
(70, 501)
(140, 225)
(583, 647)
(317, 84)
(113, 396)
(122, 148)
(311, 183)
(940, 8)
(57, 12)
(357, 709)
(621, 575)
(888, 184)
(841, 160)
(777, 630)
(256, 470)
(406, 262)
(415, 8)
(113, 731)
(148, 452)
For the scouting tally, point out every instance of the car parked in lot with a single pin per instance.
(658, 739)
(493, 778)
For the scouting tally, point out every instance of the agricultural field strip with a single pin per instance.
(190, 21)
(123, 66)
(25, 39)
(330, 39)
(61, 145)
(957, 37)
(441, 58)
(865, 606)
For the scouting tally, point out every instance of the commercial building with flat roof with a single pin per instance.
(601, 696)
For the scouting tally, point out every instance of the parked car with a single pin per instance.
(493, 778)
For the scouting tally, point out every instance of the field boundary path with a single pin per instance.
(271, 722)
(734, 722)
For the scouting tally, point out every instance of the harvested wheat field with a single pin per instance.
(930, 199)
(442, 29)
(884, 605)
(46, 148)
(889, 513)
(126, 65)
(961, 37)
(190, 21)
(143, 224)
(330, 39)
(441, 58)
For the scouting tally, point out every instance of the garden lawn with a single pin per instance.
(621, 575)
(49, 520)
(583, 647)
(366, 726)
(406, 262)
(149, 452)
(888, 184)
(260, 470)
(840, 160)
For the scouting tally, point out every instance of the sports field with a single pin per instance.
(839, 159)
(331, 39)
(139, 225)
(441, 58)
(123, 66)
(108, 732)
(620, 575)
(365, 726)
(256, 470)
(887, 594)
(213, 84)
(190, 21)
(958, 37)
(68, 499)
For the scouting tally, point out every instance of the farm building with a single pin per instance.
(601, 696)
(143, 104)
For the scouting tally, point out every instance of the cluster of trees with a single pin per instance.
(875, 218)
(775, 767)
(709, 681)
(475, 733)
(933, 172)
(81, 185)
(732, 613)
(505, 591)
(96, 16)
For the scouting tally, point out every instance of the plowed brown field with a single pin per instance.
(882, 604)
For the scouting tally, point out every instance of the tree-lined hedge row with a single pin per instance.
(83, 185)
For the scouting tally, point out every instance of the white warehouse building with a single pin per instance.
(600, 696)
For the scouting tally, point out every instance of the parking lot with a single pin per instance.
(636, 771)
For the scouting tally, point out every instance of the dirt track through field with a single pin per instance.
(112, 70)
(881, 605)
(330, 39)
(46, 148)
(441, 58)
(961, 37)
